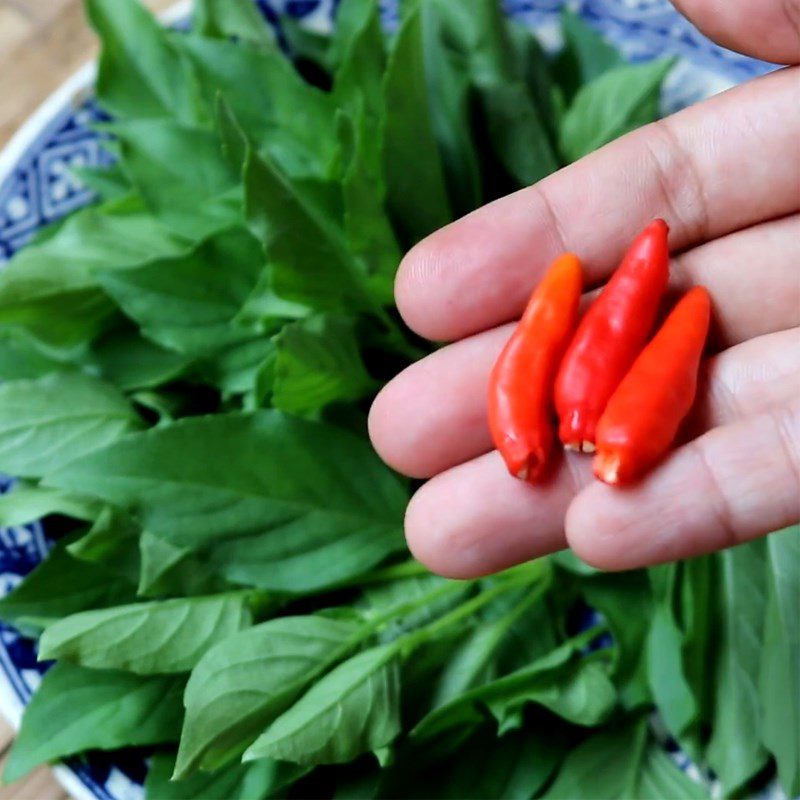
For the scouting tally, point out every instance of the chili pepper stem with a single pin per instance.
(576, 433)
(580, 447)
(607, 467)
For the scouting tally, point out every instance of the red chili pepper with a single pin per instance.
(644, 413)
(610, 336)
(521, 383)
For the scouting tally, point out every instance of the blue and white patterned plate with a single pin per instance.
(37, 188)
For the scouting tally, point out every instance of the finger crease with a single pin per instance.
(723, 394)
(788, 444)
(721, 507)
(686, 177)
(791, 10)
(552, 216)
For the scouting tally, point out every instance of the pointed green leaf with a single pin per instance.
(247, 681)
(46, 423)
(779, 684)
(272, 501)
(620, 100)
(136, 58)
(354, 709)
(734, 753)
(160, 637)
(318, 362)
(77, 709)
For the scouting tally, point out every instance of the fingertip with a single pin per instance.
(416, 271)
(589, 525)
(475, 519)
(384, 420)
(436, 539)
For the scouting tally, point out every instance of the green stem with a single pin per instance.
(407, 569)
(408, 643)
(377, 622)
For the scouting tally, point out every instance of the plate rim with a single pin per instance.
(80, 82)
(77, 85)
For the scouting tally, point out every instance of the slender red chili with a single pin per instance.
(644, 413)
(610, 336)
(521, 382)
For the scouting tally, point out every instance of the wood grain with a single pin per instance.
(39, 785)
(42, 43)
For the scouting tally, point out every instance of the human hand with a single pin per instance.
(726, 175)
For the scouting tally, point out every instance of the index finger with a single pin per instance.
(717, 167)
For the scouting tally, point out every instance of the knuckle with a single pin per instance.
(679, 178)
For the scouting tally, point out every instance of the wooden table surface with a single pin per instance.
(42, 42)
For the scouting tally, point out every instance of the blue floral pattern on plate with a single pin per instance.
(38, 188)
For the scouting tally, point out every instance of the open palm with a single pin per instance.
(726, 175)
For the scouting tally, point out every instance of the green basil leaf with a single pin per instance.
(109, 182)
(449, 81)
(666, 674)
(620, 762)
(698, 621)
(20, 358)
(61, 585)
(415, 184)
(305, 44)
(358, 90)
(367, 227)
(354, 709)
(513, 767)
(734, 753)
(48, 290)
(237, 369)
(128, 360)
(181, 174)
(141, 74)
(25, 504)
(224, 19)
(272, 501)
(586, 54)
(167, 569)
(77, 709)
(661, 779)
(235, 782)
(352, 17)
(620, 100)
(112, 543)
(187, 303)
(159, 637)
(293, 122)
(46, 423)
(779, 683)
(247, 681)
(310, 262)
(358, 46)
(513, 631)
(614, 596)
(516, 128)
(573, 688)
(605, 765)
(317, 362)
(534, 68)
